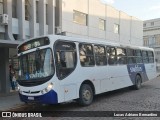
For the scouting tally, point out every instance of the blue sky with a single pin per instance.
(142, 9)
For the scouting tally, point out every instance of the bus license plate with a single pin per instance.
(30, 98)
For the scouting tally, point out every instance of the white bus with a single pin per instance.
(55, 69)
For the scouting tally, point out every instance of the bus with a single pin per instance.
(55, 69)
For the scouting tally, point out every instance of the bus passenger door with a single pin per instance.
(66, 60)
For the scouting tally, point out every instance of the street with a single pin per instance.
(145, 99)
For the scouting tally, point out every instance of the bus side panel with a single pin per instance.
(119, 76)
(150, 70)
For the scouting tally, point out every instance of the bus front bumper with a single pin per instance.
(48, 98)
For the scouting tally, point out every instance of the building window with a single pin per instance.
(37, 18)
(27, 10)
(144, 25)
(1, 6)
(145, 41)
(79, 17)
(152, 23)
(152, 41)
(14, 9)
(116, 28)
(102, 24)
(157, 39)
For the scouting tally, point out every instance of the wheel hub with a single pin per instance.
(87, 95)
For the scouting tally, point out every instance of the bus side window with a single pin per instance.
(100, 55)
(138, 56)
(66, 58)
(111, 54)
(131, 56)
(151, 57)
(86, 55)
(145, 57)
(121, 56)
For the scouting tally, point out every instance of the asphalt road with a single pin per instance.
(145, 99)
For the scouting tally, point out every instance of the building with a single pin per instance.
(24, 19)
(151, 37)
(93, 19)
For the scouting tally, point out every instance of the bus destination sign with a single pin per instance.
(33, 44)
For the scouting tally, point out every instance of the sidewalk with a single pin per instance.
(10, 101)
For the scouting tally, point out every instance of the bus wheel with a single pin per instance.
(138, 82)
(85, 95)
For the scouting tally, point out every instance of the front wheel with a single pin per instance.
(85, 95)
(138, 82)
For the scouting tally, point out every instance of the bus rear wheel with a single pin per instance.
(85, 95)
(138, 82)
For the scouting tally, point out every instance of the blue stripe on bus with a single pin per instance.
(134, 69)
(48, 98)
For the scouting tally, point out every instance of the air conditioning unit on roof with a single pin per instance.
(4, 19)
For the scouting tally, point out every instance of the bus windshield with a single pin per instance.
(36, 65)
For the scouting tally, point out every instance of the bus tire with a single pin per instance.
(138, 82)
(85, 95)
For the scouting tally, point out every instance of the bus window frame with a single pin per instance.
(145, 57)
(136, 56)
(55, 57)
(93, 55)
(110, 46)
(125, 56)
(129, 56)
(105, 55)
(38, 81)
(151, 57)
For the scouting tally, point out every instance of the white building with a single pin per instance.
(23, 19)
(151, 37)
(93, 19)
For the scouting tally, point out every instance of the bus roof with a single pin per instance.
(53, 38)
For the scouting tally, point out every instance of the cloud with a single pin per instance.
(108, 1)
(156, 7)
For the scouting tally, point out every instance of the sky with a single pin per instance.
(141, 9)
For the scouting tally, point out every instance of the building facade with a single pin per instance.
(151, 37)
(24, 19)
(95, 20)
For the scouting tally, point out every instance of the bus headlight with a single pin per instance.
(18, 88)
(49, 87)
